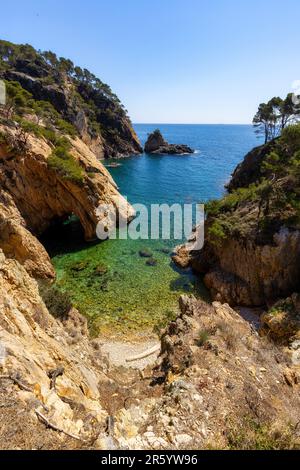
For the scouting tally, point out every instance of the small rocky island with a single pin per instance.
(156, 144)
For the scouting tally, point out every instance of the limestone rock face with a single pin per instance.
(156, 144)
(33, 195)
(282, 321)
(251, 274)
(154, 141)
(33, 344)
(242, 272)
(214, 368)
(18, 243)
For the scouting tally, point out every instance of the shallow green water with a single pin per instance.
(112, 284)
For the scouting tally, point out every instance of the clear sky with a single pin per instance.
(171, 61)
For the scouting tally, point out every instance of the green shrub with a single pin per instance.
(213, 207)
(51, 136)
(291, 137)
(29, 126)
(57, 302)
(253, 435)
(65, 164)
(65, 127)
(285, 305)
(271, 162)
(232, 200)
(18, 99)
(2, 138)
(216, 232)
(203, 337)
(21, 102)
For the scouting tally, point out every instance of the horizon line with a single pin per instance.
(195, 123)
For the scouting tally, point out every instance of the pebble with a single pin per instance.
(149, 434)
(198, 397)
(183, 439)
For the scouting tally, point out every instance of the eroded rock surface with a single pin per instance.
(19, 243)
(33, 195)
(216, 384)
(33, 344)
(282, 322)
(224, 387)
(242, 272)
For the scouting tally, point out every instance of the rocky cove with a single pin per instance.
(215, 382)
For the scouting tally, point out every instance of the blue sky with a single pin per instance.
(171, 61)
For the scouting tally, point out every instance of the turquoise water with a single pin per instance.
(110, 282)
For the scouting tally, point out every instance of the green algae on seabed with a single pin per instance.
(114, 286)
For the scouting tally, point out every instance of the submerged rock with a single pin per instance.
(100, 270)
(165, 251)
(151, 262)
(145, 253)
(80, 266)
(156, 144)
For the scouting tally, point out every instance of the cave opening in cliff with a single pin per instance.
(64, 234)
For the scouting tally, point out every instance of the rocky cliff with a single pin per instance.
(77, 95)
(251, 254)
(50, 370)
(33, 344)
(55, 123)
(37, 188)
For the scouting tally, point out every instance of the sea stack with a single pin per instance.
(156, 144)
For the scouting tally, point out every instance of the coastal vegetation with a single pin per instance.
(57, 302)
(64, 163)
(275, 193)
(275, 115)
(20, 103)
(41, 119)
(73, 99)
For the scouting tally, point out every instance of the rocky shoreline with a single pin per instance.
(213, 381)
(212, 386)
(251, 255)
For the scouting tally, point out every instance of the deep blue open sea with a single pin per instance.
(188, 178)
(128, 295)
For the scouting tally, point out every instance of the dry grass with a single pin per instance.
(229, 335)
(251, 434)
